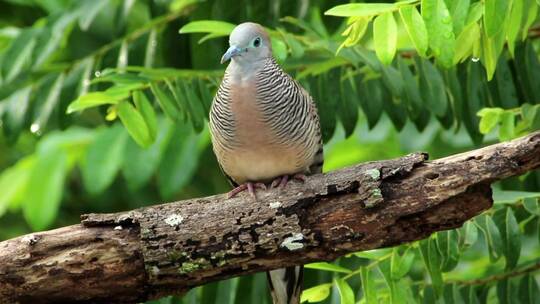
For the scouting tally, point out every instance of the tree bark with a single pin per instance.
(167, 249)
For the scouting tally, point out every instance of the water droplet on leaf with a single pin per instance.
(35, 128)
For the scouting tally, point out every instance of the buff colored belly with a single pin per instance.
(263, 164)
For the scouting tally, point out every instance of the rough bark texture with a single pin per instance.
(165, 249)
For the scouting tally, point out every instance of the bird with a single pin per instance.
(265, 131)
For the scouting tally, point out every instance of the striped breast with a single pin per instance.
(264, 126)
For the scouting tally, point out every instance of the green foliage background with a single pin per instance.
(103, 107)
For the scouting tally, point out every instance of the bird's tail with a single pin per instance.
(286, 284)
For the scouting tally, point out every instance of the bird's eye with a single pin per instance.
(257, 42)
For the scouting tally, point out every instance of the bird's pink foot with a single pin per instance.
(249, 186)
(282, 181)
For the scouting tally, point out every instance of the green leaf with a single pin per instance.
(50, 103)
(316, 294)
(531, 116)
(491, 48)
(217, 28)
(139, 163)
(17, 57)
(348, 108)
(469, 235)
(440, 30)
(47, 183)
(87, 66)
(134, 123)
(532, 205)
(179, 161)
(88, 12)
(514, 25)
(374, 254)
(512, 239)
(510, 197)
(494, 16)
(510, 234)
(15, 114)
(206, 96)
(166, 102)
(492, 235)
(447, 243)
(151, 46)
(279, 49)
(385, 269)
(432, 87)
(327, 267)
(458, 10)
(429, 295)
(465, 42)
(325, 106)
(452, 294)
(411, 89)
(50, 38)
(506, 292)
(346, 294)
(103, 159)
(533, 70)
(369, 288)
(476, 12)
(470, 293)
(470, 74)
(94, 99)
(146, 109)
(416, 28)
(13, 182)
(372, 103)
(455, 94)
(385, 37)
(361, 9)
(355, 31)
(489, 118)
(73, 140)
(529, 18)
(227, 291)
(505, 94)
(295, 47)
(393, 81)
(431, 258)
(528, 290)
(369, 58)
(506, 130)
(197, 113)
(400, 265)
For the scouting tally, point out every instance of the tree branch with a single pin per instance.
(167, 249)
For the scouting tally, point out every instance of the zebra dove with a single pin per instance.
(265, 129)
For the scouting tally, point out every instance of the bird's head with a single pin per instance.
(248, 43)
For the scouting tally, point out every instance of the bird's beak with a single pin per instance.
(230, 53)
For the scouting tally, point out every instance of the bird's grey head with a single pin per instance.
(249, 44)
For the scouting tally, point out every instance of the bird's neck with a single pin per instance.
(244, 73)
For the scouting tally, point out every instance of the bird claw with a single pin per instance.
(249, 186)
(300, 177)
(279, 182)
(282, 181)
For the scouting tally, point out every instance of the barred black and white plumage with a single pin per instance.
(264, 126)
